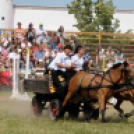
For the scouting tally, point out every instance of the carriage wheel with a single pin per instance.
(37, 106)
(54, 108)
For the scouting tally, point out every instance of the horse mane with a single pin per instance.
(116, 65)
(119, 64)
(125, 64)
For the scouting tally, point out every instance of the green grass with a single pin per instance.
(13, 120)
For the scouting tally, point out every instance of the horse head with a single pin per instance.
(118, 73)
(128, 73)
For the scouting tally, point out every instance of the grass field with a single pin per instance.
(16, 118)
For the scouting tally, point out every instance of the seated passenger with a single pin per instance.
(77, 60)
(61, 65)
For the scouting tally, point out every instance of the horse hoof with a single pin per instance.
(122, 115)
(87, 121)
(104, 121)
(127, 115)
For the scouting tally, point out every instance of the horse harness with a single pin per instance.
(99, 84)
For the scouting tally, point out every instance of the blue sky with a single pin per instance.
(120, 4)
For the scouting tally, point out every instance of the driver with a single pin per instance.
(61, 65)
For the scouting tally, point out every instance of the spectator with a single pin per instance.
(86, 56)
(13, 53)
(109, 53)
(23, 66)
(61, 34)
(110, 63)
(54, 41)
(39, 54)
(16, 42)
(101, 51)
(61, 29)
(119, 57)
(55, 52)
(40, 34)
(30, 32)
(49, 55)
(74, 41)
(61, 49)
(19, 32)
(25, 44)
(7, 38)
(73, 46)
(99, 54)
(5, 51)
(34, 45)
(49, 37)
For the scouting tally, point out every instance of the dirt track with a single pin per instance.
(23, 108)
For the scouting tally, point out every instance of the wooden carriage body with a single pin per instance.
(42, 86)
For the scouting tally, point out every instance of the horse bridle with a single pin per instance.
(127, 78)
(125, 71)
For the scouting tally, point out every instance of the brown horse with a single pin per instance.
(97, 87)
(126, 93)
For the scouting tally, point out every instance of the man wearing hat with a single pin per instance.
(40, 34)
(19, 32)
(61, 65)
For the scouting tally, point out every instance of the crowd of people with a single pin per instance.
(49, 50)
(111, 56)
(43, 46)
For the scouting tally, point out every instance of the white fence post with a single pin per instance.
(15, 90)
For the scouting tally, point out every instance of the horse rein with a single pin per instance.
(126, 72)
(109, 79)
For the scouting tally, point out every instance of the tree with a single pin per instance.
(91, 16)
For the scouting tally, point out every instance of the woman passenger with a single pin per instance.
(77, 60)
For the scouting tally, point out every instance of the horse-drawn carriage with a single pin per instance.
(45, 92)
(84, 87)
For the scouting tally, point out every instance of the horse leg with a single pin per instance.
(102, 104)
(132, 112)
(67, 98)
(117, 107)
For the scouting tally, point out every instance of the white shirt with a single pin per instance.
(0, 48)
(13, 55)
(23, 45)
(5, 40)
(101, 53)
(40, 37)
(78, 62)
(47, 54)
(60, 58)
(109, 65)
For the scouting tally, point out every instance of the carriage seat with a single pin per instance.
(52, 88)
